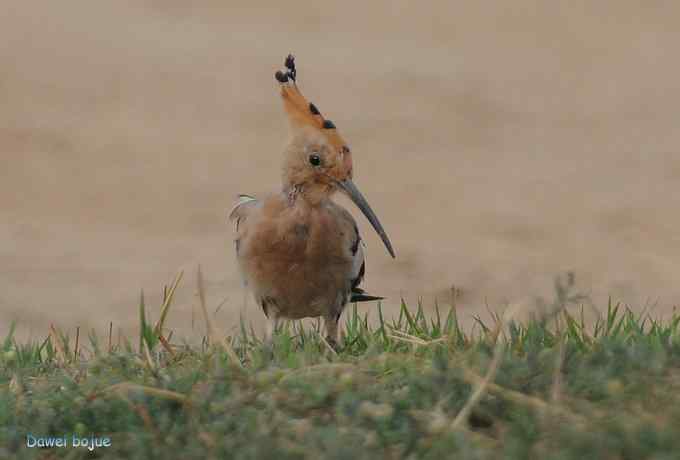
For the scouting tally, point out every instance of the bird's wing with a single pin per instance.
(358, 259)
(358, 268)
(239, 213)
(241, 208)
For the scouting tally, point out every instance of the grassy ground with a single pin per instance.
(409, 387)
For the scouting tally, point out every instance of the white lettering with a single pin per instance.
(90, 443)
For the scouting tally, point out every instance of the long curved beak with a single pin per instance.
(358, 199)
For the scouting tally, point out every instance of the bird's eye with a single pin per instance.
(314, 159)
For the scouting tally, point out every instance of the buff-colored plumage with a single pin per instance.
(300, 253)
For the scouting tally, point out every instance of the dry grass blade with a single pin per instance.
(208, 325)
(110, 336)
(75, 350)
(16, 386)
(123, 388)
(328, 345)
(482, 384)
(166, 344)
(518, 398)
(557, 373)
(405, 337)
(486, 383)
(413, 341)
(58, 345)
(166, 303)
(151, 365)
(204, 309)
(229, 349)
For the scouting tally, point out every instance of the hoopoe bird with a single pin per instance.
(299, 252)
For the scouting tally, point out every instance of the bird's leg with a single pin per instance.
(331, 324)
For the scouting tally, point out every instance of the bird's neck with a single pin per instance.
(305, 194)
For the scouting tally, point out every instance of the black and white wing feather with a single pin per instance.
(239, 212)
(358, 270)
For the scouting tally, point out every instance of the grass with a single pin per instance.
(415, 386)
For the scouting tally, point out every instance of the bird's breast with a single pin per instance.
(299, 256)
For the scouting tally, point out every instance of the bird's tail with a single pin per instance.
(359, 295)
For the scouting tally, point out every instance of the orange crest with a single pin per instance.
(301, 112)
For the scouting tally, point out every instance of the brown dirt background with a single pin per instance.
(501, 143)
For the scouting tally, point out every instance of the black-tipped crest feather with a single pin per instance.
(290, 65)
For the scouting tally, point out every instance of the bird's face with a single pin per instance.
(316, 164)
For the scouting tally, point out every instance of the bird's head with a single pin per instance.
(317, 161)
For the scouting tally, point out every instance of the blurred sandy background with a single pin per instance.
(501, 143)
